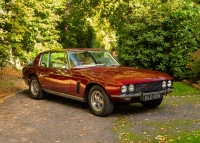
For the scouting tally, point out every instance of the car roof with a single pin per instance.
(74, 49)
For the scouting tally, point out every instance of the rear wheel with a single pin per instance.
(99, 102)
(152, 103)
(35, 88)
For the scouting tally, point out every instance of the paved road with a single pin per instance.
(60, 120)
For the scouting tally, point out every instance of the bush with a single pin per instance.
(194, 66)
(159, 36)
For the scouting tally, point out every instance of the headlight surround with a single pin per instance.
(131, 88)
(164, 84)
(124, 89)
(169, 83)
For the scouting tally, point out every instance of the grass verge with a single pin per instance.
(193, 137)
(176, 131)
(162, 131)
(182, 89)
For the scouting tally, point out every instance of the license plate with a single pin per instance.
(151, 97)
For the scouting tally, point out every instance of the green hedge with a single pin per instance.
(194, 66)
(159, 36)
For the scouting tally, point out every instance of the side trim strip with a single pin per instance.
(65, 95)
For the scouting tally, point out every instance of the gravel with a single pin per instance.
(60, 120)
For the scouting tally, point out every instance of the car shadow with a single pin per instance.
(129, 109)
(119, 109)
(66, 101)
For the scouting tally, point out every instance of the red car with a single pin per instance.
(94, 76)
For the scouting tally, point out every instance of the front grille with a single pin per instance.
(148, 87)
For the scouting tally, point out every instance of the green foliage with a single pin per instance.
(3, 33)
(104, 35)
(32, 26)
(86, 25)
(197, 1)
(194, 66)
(75, 30)
(156, 35)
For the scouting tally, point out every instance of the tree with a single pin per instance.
(3, 35)
(86, 24)
(75, 30)
(32, 26)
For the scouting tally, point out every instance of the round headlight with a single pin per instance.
(131, 88)
(124, 89)
(169, 83)
(164, 84)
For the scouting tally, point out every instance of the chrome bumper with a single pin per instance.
(135, 95)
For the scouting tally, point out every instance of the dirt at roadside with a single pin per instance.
(10, 82)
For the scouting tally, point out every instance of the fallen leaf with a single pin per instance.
(162, 129)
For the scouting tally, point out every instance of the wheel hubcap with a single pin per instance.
(34, 87)
(97, 100)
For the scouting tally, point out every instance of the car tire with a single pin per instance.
(152, 103)
(99, 102)
(35, 88)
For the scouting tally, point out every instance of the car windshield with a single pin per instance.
(91, 58)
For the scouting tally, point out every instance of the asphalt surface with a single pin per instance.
(59, 120)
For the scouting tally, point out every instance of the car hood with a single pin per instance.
(122, 74)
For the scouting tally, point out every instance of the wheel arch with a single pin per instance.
(87, 90)
(29, 77)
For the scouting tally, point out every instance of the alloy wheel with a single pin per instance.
(97, 100)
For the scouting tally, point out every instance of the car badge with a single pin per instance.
(143, 85)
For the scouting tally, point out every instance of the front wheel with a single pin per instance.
(152, 103)
(99, 102)
(35, 88)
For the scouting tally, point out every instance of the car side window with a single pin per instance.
(44, 60)
(58, 60)
(102, 58)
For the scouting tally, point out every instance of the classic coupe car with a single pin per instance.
(94, 76)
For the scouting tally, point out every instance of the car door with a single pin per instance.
(59, 73)
(44, 71)
(76, 85)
